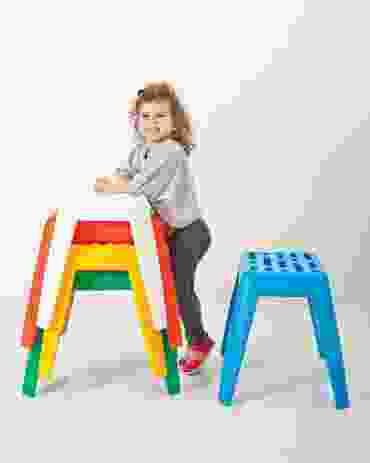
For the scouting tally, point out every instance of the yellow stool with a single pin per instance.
(105, 257)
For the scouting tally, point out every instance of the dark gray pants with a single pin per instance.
(187, 247)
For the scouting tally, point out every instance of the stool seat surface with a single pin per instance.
(115, 232)
(280, 261)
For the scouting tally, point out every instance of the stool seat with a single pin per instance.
(284, 273)
(114, 232)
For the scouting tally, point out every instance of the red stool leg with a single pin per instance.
(172, 311)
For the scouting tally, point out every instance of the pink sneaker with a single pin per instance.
(196, 355)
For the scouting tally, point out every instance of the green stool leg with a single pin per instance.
(32, 368)
(172, 377)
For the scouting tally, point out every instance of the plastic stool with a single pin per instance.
(102, 257)
(282, 273)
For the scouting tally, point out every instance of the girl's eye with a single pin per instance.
(145, 116)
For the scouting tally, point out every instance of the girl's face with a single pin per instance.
(155, 121)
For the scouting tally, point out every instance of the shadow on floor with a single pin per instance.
(310, 388)
(132, 372)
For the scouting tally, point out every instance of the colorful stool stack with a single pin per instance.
(283, 273)
(102, 257)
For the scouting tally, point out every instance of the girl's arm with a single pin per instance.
(116, 183)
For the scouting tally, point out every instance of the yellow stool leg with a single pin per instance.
(153, 345)
(51, 341)
(65, 296)
(48, 353)
(52, 334)
(152, 338)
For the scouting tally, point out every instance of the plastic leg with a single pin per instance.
(49, 349)
(239, 330)
(172, 377)
(315, 327)
(229, 315)
(330, 340)
(32, 368)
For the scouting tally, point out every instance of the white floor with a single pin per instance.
(106, 407)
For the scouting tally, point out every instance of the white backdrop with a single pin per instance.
(279, 93)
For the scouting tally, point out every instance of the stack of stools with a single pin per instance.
(102, 257)
(282, 273)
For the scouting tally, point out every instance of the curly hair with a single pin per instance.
(164, 91)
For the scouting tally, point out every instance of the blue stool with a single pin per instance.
(282, 273)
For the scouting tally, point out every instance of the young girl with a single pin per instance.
(157, 167)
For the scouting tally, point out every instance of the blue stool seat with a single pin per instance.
(282, 273)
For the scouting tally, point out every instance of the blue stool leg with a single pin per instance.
(230, 315)
(330, 340)
(315, 327)
(244, 309)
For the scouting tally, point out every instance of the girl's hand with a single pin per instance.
(114, 184)
(100, 187)
(102, 184)
(106, 180)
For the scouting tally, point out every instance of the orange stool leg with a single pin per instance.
(29, 328)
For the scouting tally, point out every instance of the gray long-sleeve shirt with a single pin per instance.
(161, 172)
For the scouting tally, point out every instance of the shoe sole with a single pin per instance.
(192, 373)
